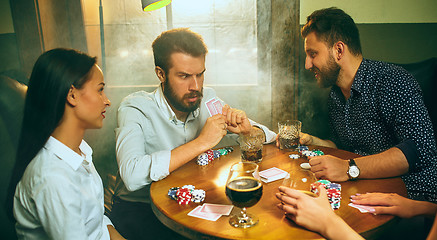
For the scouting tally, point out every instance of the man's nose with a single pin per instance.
(195, 83)
(308, 63)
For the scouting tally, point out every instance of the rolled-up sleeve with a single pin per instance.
(270, 135)
(137, 168)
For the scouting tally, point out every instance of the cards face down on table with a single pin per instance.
(214, 106)
(272, 174)
(210, 211)
(362, 208)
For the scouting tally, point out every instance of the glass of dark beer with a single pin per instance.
(244, 189)
(289, 132)
(251, 146)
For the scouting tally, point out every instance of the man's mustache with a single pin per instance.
(194, 94)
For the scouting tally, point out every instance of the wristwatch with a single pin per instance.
(353, 172)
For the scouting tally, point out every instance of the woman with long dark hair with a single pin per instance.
(58, 192)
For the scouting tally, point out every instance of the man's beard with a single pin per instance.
(328, 75)
(178, 103)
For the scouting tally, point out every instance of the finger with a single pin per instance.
(229, 117)
(239, 117)
(292, 192)
(289, 200)
(319, 175)
(322, 193)
(289, 209)
(225, 109)
(314, 161)
(234, 119)
(384, 210)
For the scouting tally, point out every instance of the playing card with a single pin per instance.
(210, 106)
(218, 106)
(216, 208)
(362, 208)
(204, 215)
(272, 174)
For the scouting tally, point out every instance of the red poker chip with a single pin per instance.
(210, 154)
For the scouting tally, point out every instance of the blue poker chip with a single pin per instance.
(216, 153)
(172, 193)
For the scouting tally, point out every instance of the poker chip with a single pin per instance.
(202, 159)
(229, 149)
(183, 196)
(205, 158)
(305, 166)
(302, 148)
(223, 152)
(294, 156)
(216, 153)
(172, 193)
(210, 155)
(198, 195)
(186, 194)
(318, 152)
(190, 187)
(308, 153)
(333, 192)
(334, 186)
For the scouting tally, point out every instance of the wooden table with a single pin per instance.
(272, 223)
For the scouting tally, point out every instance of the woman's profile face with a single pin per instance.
(92, 101)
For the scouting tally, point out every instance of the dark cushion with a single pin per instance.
(12, 95)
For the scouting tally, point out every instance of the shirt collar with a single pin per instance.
(166, 109)
(67, 154)
(360, 75)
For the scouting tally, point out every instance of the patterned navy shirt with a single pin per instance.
(386, 110)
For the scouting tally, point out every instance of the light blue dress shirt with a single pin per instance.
(60, 196)
(147, 132)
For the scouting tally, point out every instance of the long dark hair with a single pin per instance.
(52, 76)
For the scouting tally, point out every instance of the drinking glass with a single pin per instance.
(300, 180)
(251, 146)
(244, 189)
(289, 132)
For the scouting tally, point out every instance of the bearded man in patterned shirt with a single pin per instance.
(376, 109)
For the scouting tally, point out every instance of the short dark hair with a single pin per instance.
(180, 40)
(53, 74)
(331, 25)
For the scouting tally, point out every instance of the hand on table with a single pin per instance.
(310, 212)
(213, 130)
(236, 120)
(305, 139)
(393, 204)
(314, 213)
(329, 167)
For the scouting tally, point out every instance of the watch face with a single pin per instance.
(354, 171)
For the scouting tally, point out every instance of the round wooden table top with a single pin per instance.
(272, 222)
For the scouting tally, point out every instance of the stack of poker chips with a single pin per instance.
(209, 156)
(309, 153)
(186, 194)
(333, 190)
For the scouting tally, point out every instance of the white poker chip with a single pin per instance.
(306, 166)
(294, 156)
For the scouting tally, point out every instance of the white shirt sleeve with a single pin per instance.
(270, 135)
(137, 168)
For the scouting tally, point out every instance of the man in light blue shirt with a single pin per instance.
(160, 131)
